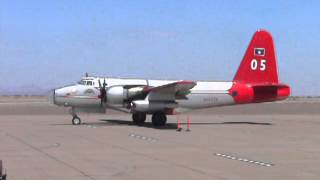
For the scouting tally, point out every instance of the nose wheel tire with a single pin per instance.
(139, 118)
(76, 120)
(159, 119)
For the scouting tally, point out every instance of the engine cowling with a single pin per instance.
(119, 94)
(146, 106)
(115, 95)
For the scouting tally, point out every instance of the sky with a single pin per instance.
(53, 43)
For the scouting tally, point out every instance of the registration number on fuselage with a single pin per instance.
(210, 99)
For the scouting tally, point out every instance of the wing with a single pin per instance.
(170, 92)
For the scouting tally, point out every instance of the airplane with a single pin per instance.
(255, 81)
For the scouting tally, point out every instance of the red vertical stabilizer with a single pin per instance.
(259, 64)
(257, 77)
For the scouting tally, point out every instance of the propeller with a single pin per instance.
(103, 92)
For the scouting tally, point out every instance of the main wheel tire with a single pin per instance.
(139, 118)
(159, 119)
(76, 120)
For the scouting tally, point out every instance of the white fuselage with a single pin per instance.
(255, 81)
(204, 95)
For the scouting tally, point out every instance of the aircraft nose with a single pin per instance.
(52, 96)
(60, 96)
(55, 94)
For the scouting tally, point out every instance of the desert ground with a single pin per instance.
(258, 141)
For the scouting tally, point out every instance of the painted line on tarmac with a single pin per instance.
(141, 137)
(91, 126)
(260, 163)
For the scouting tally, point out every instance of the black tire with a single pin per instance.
(76, 120)
(159, 119)
(139, 117)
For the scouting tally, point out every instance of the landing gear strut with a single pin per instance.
(139, 117)
(159, 119)
(3, 176)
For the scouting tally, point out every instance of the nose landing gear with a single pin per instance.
(3, 176)
(76, 120)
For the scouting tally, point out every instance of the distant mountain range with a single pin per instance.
(30, 90)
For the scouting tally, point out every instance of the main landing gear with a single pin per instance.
(139, 117)
(158, 118)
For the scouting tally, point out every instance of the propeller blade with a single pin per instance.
(103, 92)
(104, 82)
(99, 83)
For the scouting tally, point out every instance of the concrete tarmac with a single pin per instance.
(260, 141)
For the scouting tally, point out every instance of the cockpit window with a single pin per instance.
(86, 82)
(82, 82)
(89, 83)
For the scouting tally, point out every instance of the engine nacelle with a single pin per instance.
(146, 106)
(134, 92)
(118, 94)
(115, 95)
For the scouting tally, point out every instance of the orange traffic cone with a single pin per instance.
(179, 125)
(188, 123)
